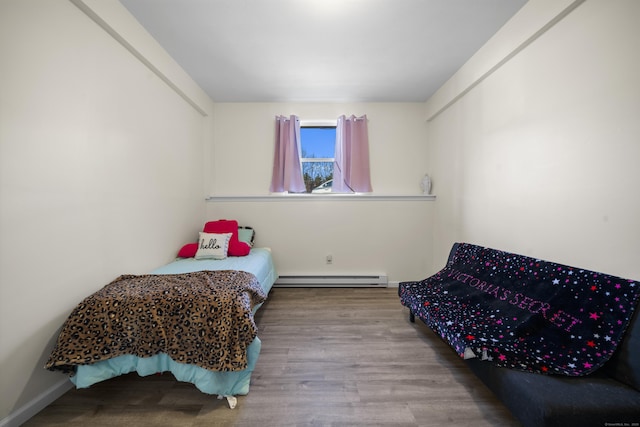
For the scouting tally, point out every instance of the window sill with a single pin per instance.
(281, 197)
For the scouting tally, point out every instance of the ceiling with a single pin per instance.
(321, 50)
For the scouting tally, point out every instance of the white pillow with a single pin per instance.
(213, 245)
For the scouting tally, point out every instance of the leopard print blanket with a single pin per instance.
(203, 318)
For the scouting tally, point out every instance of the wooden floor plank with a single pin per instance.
(330, 357)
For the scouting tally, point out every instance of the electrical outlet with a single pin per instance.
(329, 259)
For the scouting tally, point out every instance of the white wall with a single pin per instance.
(391, 237)
(101, 173)
(541, 157)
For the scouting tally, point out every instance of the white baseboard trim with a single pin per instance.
(392, 284)
(31, 408)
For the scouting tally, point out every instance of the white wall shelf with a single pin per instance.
(322, 197)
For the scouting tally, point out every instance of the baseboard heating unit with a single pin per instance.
(323, 281)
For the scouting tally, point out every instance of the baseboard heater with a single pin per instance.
(323, 281)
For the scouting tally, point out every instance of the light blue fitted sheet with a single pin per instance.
(259, 262)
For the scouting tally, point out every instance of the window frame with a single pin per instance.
(317, 124)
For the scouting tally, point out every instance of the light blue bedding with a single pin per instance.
(259, 262)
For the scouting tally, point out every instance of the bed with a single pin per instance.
(217, 363)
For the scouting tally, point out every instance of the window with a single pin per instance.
(305, 155)
(318, 144)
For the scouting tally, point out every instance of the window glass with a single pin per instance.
(318, 145)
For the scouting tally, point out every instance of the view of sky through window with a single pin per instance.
(317, 143)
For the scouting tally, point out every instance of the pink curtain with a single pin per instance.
(351, 167)
(287, 168)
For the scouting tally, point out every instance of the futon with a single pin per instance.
(557, 344)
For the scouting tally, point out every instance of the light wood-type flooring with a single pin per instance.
(330, 357)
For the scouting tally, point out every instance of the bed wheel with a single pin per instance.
(412, 317)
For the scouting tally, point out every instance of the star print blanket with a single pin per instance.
(524, 313)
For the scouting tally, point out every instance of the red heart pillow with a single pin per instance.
(188, 251)
(236, 247)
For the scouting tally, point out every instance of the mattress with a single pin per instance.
(259, 262)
